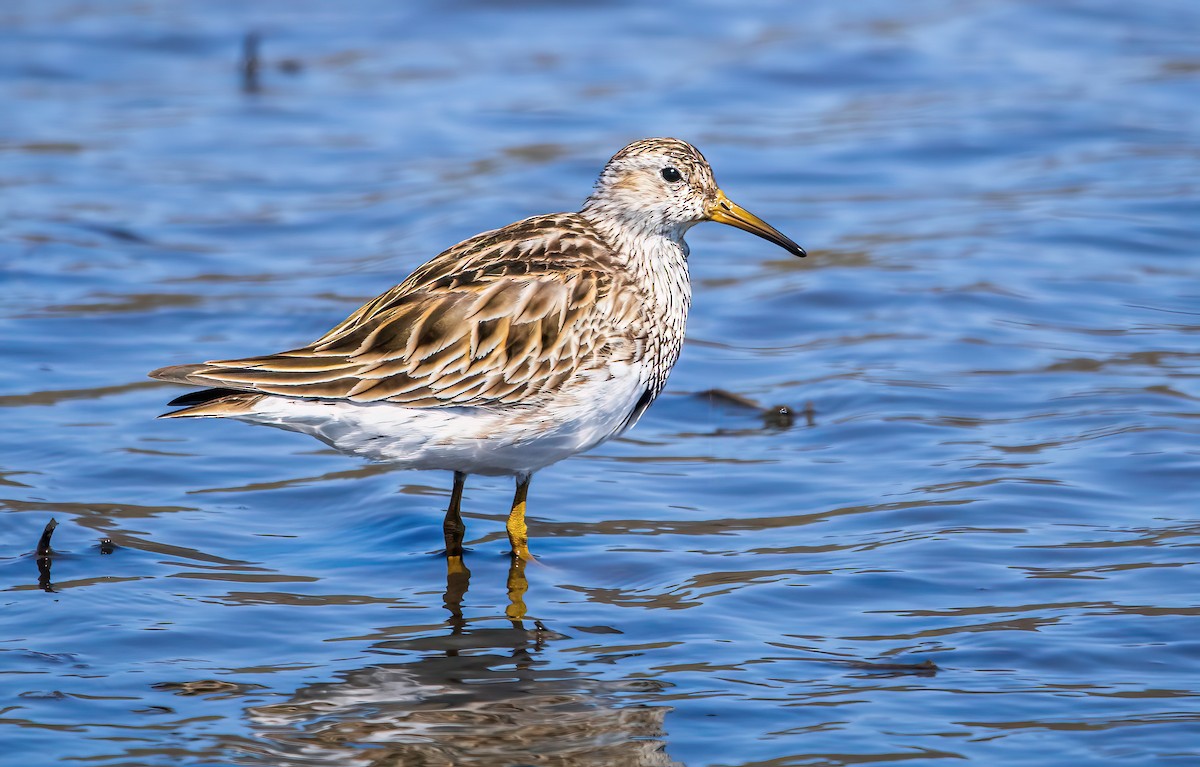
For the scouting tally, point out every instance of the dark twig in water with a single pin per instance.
(251, 64)
(924, 668)
(778, 417)
(43, 556)
(43, 565)
(724, 397)
(774, 417)
(116, 232)
(43, 547)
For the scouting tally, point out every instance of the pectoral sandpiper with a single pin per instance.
(510, 351)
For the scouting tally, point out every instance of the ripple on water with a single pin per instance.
(974, 538)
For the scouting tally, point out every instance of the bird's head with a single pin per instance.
(665, 186)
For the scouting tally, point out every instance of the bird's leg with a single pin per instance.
(458, 580)
(518, 534)
(453, 526)
(517, 586)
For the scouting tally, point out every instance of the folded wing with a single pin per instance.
(505, 317)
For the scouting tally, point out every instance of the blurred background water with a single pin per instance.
(979, 543)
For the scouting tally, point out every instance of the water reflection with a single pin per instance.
(477, 695)
(773, 417)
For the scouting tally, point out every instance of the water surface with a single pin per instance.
(980, 542)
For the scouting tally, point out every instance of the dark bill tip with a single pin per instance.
(725, 211)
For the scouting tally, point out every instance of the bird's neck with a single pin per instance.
(658, 261)
(636, 238)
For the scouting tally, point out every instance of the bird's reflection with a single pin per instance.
(478, 695)
(458, 577)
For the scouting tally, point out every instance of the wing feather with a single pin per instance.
(507, 316)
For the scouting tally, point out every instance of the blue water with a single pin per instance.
(980, 542)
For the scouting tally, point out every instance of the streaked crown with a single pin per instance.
(662, 186)
(656, 184)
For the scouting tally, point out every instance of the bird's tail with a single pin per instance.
(213, 403)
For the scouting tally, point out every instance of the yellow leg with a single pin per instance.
(518, 534)
(517, 586)
(458, 580)
(456, 568)
(453, 527)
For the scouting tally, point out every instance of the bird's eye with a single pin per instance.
(671, 174)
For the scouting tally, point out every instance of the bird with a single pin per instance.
(508, 352)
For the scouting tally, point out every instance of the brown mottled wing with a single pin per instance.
(502, 318)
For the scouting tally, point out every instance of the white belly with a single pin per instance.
(508, 440)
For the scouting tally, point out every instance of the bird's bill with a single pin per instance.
(726, 211)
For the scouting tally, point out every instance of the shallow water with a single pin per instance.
(979, 543)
